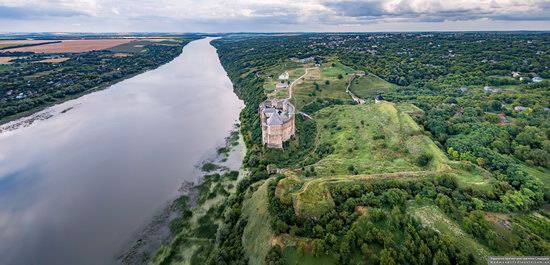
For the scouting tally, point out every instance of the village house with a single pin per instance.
(519, 108)
(516, 74)
(537, 79)
(281, 85)
(277, 119)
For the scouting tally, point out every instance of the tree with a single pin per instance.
(386, 257)
(441, 258)
(274, 256)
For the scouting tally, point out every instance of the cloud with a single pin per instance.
(268, 14)
(27, 12)
(437, 11)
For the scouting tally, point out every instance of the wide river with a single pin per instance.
(75, 188)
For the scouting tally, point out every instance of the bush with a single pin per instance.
(423, 160)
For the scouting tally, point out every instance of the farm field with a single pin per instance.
(73, 46)
(54, 60)
(4, 44)
(6, 60)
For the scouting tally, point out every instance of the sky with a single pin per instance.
(271, 15)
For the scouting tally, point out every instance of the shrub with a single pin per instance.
(423, 160)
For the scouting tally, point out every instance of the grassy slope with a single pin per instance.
(369, 86)
(257, 233)
(431, 216)
(293, 256)
(356, 134)
(378, 141)
(540, 173)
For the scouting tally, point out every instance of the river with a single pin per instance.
(75, 188)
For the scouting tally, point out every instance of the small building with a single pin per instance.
(378, 99)
(277, 119)
(360, 73)
(537, 79)
(281, 85)
(463, 89)
(284, 76)
(519, 108)
(547, 109)
(516, 74)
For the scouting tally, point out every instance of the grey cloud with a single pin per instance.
(27, 12)
(358, 9)
(364, 11)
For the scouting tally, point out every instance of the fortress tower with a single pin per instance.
(277, 118)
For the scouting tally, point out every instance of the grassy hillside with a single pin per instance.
(370, 86)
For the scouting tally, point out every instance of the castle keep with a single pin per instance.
(277, 118)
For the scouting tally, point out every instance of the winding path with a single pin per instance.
(353, 96)
(298, 79)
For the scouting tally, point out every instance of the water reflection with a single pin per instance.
(75, 187)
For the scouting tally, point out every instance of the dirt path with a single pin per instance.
(295, 81)
(353, 96)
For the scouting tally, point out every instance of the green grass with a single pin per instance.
(373, 138)
(536, 223)
(306, 92)
(370, 85)
(370, 141)
(313, 200)
(540, 173)
(257, 233)
(432, 217)
(292, 256)
(331, 72)
(285, 189)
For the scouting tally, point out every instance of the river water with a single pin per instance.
(75, 188)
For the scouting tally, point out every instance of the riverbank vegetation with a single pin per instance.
(452, 168)
(32, 81)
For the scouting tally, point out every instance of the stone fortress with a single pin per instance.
(277, 118)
